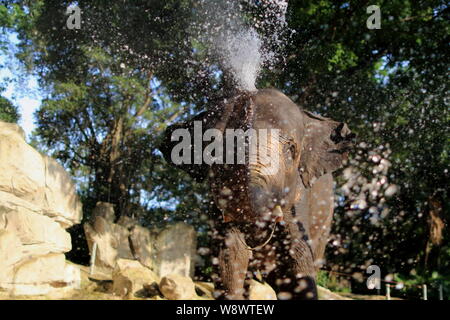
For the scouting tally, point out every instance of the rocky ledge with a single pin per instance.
(38, 202)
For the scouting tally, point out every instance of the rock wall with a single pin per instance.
(38, 201)
(172, 250)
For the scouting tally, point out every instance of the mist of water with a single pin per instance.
(239, 46)
(241, 54)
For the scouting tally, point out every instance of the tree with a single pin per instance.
(104, 107)
(103, 110)
(8, 111)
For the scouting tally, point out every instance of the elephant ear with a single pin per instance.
(197, 171)
(325, 147)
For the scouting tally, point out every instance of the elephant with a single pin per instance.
(269, 221)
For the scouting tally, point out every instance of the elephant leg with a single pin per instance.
(294, 276)
(321, 206)
(233, 264)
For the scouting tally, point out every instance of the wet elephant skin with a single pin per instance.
(273, 223)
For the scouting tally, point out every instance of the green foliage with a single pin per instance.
(323, 279)
(332, 283)
(8, 111)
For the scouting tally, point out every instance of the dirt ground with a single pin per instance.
(99, 288)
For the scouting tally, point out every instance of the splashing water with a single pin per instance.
(220, 26)
(239, 46)
(241, 54)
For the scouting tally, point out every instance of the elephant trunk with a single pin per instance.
(265, 182)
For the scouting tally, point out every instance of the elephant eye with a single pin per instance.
(290, 150)
(289, 147)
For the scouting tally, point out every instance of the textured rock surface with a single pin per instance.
(38, 201)
(261, 291)
(175, 250)
(72, 276)
(177, 287)
(28, 176)
(112, 243)
(39, 275)
(22, 169)
(130, 278)
(61, 200)
(143, 241)
(48, 268)
(205, 289)
(171, 250)
(36, 230)
(10, 255)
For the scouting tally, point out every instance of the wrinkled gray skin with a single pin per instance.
(250, 234)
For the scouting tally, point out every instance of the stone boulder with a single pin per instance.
(205, 290)
(175, 250)
(171, 250)
(260, 291)
(38, 201)
(177, 287)
(143, 241)
(111, 239)
(130, 278)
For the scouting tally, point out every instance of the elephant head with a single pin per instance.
(284, 147)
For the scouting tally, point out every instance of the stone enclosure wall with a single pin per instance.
(38, 202)
(171, 250)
